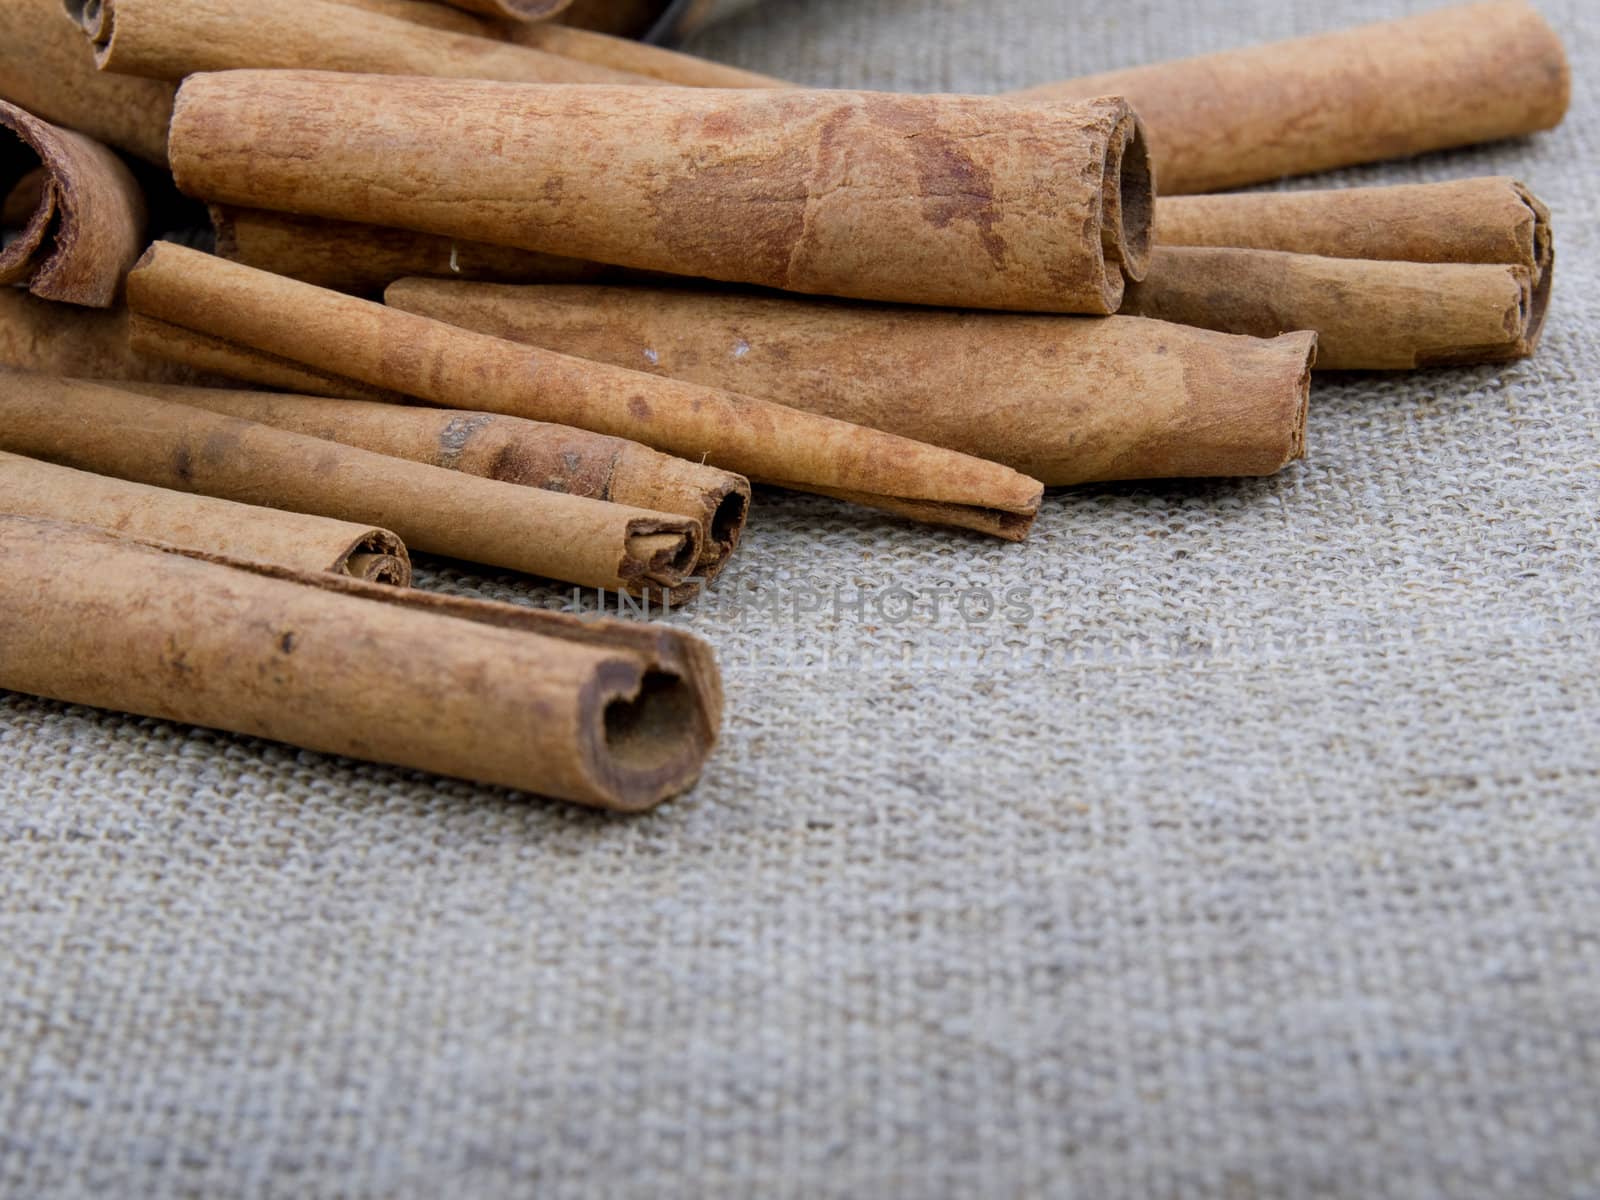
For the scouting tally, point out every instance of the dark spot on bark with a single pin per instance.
(640, 408)
(183, 465)
(453, 438)
(952, 186)
(287, 643)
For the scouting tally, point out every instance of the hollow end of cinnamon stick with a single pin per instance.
(379, 557)
(1128, 212)
(660, 553)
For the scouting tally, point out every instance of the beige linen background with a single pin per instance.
(1260, 858)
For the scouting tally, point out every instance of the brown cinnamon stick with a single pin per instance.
(362, 259)
(923, 199)
(385, 348)
(623, 18)
(589, 542)
(46, 68)
(87, 224)
(609, 713)
(168, 39)
(1065, 399)
(1490, 219)
(65, 339)
(1465, 74)
(532, 453)
(1368, 315)
(299, 541)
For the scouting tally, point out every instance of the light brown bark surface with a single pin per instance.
(386, 348)
(924, 199)
(1490, 219)
(1367, 314)
(1064, 399)
(610, 713)
(300, 541)
(1465, 74)
(87, 225)
(95, 427)
(558, 458)
(169, 39)
(46, 67)
(65, 339)
(363, 259)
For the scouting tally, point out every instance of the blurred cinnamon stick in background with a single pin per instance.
(1465, 74)
(1065, 399)
(169, 39)
(266, 317)
(66, 339)
(608, 713)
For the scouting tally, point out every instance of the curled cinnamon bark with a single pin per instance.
(169, 39)
(1368, 314)
(300, 541)
(1065, 399)
(256, 314)
(532, 453)
(87, 223)
(609, 713)
(1465, 74)
(951, 200)
(93, 427)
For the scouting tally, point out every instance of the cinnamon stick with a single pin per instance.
(362, 259)
(623, 18)
(531, 453)
(299, 541)
(1490, 219)
(924, 199)
(46, 68)
(385, 348)
(65, 339)
(87, 223)
(168, 39)
(1368, 315)
(608, 713)
(1065, 399)
(1465, 74)
(589, 542)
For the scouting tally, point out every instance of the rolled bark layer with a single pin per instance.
(205, 524)
(88, 220)
(1368, 315)
(1065, 399)
(923, 199)
(97, 428)
(383, 347)
(1491, 219)
(1460, 75)
(557, 458)
(169, 39)
(65, 339)
(363, 259)
(47, 69)
(610, 713)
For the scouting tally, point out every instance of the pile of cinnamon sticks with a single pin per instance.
(486, 281)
